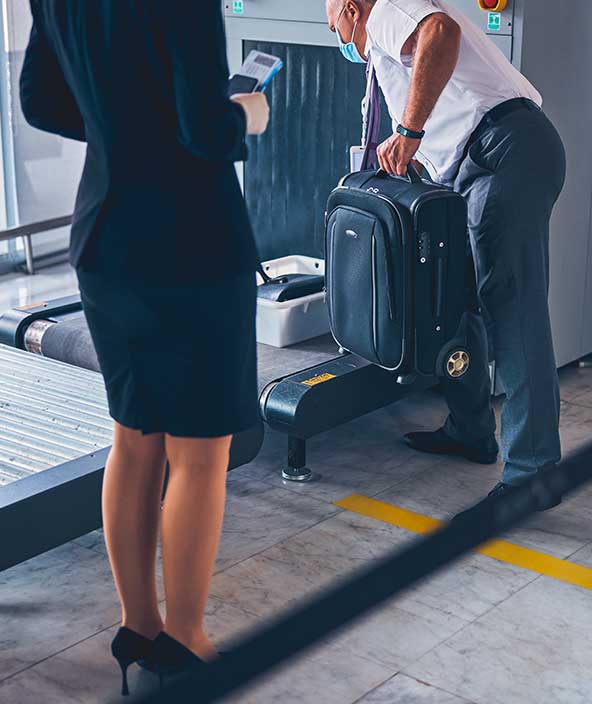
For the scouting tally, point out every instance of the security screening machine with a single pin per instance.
(308, 388)
(316, 118)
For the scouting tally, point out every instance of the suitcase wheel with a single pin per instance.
(458, 364)
(454, 362)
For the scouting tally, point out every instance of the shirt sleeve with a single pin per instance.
(46, 99)
(210, 125)
(396, 22)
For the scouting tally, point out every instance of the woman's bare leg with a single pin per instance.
(191, 527)
(132, 491)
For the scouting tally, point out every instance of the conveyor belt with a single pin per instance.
(50, 413)
(69, 341)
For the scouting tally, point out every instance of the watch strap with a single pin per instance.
(412, 134)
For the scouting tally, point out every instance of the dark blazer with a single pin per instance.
(144, 83)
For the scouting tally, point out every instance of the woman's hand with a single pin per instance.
(256, 109)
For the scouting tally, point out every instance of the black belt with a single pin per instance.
(497, 114)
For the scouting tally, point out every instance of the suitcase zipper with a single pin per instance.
(389, 260)
(394, 210)
(374, 326)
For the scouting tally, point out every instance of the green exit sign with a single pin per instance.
(494, 22)
(238, 7)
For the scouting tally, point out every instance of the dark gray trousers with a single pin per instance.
(511, 177)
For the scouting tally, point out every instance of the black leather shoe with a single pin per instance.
(543, 504)
(129, 647)
(170, 658)
(439, 443)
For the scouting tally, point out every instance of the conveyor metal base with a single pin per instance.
(55, 435)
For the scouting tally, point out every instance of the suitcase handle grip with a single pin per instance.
(412, 175)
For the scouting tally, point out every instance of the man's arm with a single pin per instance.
(437, 44)
(436, 56)
(46, 99)
(211, 126)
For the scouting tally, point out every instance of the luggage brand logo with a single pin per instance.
(373, 190)
(352, 233)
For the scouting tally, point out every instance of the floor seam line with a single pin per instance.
(378, 686)
(283, 540)
(492, 608)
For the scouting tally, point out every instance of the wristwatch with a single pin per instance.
(412, 134)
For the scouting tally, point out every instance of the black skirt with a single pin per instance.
(178, 360)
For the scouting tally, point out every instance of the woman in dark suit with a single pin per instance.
(166, 260)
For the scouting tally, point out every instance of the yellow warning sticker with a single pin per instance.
(320, 379)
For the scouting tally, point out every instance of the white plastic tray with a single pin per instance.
(287, 323)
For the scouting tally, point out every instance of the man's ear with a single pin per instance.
(352, 9)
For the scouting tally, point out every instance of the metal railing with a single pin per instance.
(28, 231)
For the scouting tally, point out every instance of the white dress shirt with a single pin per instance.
(483, 78)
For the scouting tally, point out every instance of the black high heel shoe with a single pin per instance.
(170, 658)
(129, 647)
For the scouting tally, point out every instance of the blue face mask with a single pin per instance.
(349, 50)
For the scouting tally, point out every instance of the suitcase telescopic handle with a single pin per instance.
(412, 174)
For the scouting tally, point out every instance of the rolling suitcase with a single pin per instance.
(396, 263)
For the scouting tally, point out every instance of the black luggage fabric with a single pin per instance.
(396, 252)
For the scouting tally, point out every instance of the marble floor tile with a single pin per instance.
(558, 533)
(576, 422)
(422, 411)
(316, 558)
(454, 484)
(534, 647)
(467, 589)
(575, 383)
(51, 602)
(445, 489)
(306, 563)
(87, 674)
(406, 690)
(561, 531)
(83, 674)
(583, 556)
(584, 399)
(365, 456)
(328, 675)
(258, 515)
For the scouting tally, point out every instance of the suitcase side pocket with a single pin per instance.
(361, 285)
(350, 280)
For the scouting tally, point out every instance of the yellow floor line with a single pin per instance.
(500, 550)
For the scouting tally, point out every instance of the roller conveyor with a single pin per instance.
(50, 413)
(305, 389)
(55, 436)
